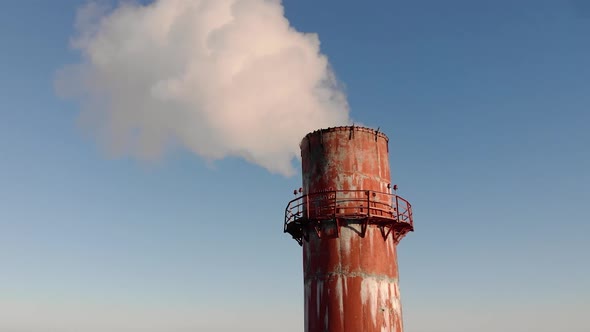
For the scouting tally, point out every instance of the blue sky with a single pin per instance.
(486, 106)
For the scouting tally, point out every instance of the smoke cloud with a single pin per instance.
(218, 77)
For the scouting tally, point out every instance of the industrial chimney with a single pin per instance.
(349, 220)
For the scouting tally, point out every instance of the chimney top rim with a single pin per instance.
(376, 132)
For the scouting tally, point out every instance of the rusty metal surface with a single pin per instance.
(351, 283)
(350, 267)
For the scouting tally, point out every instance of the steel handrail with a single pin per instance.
(364, 203)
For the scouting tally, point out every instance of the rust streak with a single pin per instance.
(349, 229)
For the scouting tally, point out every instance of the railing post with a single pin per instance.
(286, 214)
(397, 208)
(368, 203)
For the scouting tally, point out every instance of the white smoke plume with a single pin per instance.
(219, 77)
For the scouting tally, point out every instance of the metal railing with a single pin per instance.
(349, 204)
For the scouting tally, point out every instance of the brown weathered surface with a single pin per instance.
(351, 282)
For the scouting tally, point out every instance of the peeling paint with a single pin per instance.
(350, 281)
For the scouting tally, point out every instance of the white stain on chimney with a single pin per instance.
(379, 296)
